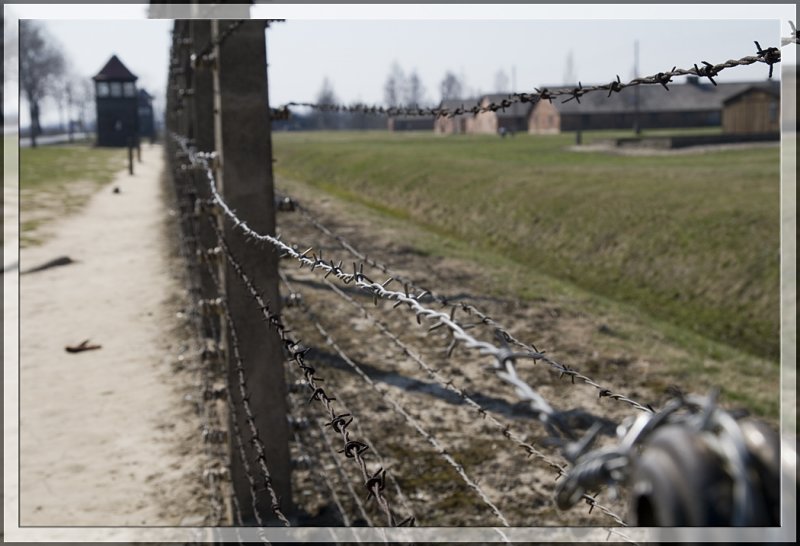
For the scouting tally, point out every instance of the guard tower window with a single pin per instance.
(102, 89)
(129, 88)
(116, 89)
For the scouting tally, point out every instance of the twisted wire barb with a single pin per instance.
(340, 469)
(198, 320)
(504, 358)
(414, 423)
(561, 369)
(255, 437)
(374, 483)
(191, 260)
(320, 476)
(449, 384)
(770, 56)
(487, 415)
(380, 460)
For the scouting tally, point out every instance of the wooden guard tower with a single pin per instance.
(117, 105)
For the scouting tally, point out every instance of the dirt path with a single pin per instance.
(106, 437)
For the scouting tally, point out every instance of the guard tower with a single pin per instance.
(117, 105)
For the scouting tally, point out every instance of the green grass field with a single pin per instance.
(58, 180)
(690, 239)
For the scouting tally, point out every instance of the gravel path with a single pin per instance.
(107, 437)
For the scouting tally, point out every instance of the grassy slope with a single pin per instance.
(58, 180)
(692, 239)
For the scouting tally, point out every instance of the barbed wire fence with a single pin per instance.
(229, 243)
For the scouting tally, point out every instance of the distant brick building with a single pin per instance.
(117, 104)
(544, 119)
(512, 119)
(690, 104)
(453, 125)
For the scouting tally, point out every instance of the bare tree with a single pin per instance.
(569, 70)
(501, 81)
(326, 95)
(62, 94)
(415, 91)
(9, 51)
(41, 65)
(395, 87)
(451, 87)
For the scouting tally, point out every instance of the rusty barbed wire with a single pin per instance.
(205, 408)
(770, 56)
(470, 309)
(220, 306)
(353, 449)
(503, 358)
(255, 437)
(449, 384)
(321, 477)
(401, 496)
(188, 218)
(487, 415)
(398, 408)
(343, 475)
(205, 56)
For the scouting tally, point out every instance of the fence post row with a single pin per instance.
(221, 104)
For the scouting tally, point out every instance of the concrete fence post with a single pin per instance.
(244, 148)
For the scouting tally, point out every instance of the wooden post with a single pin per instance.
(130, 156)
(201, 81)
(244, 148)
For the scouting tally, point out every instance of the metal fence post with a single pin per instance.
(244, 149)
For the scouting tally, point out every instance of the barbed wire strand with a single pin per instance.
(374, 482)
(449, 384)
(504, 367)
(769, 56)
(205, 55)
(343, 474)
(401, 496)
(211, 419)
(503, 357)
(320, 477)
(398, 408)
(209, 325)
(255, 437)
(471, 309)
(197, 253)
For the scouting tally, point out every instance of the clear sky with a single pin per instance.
(356, 54)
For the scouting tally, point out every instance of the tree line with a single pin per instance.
(45, 73)
(399, 90)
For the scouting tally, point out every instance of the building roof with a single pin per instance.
(684, 97)
(116, 71)
(774, 91)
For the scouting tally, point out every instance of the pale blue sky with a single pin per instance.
(356, 54)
